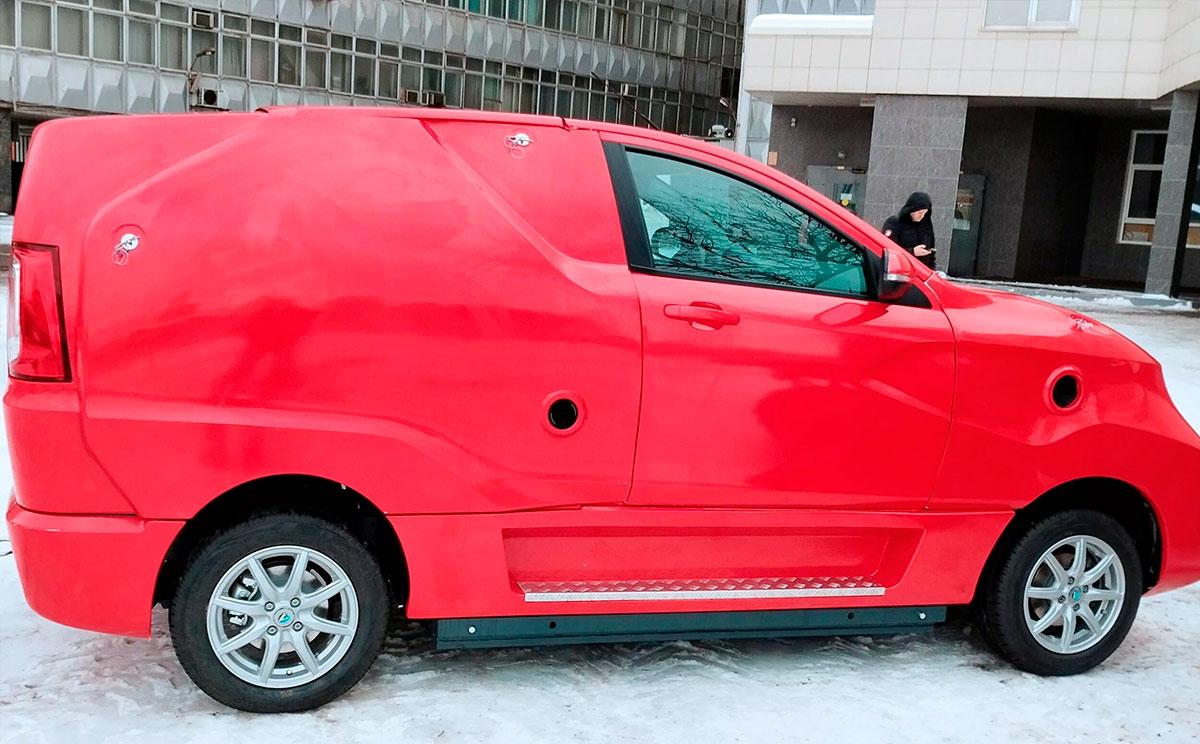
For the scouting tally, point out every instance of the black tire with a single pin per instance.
(1002, 600)
(209, 563)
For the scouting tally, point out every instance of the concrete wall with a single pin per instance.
(1055, 212)
(916, 145)
(819, 133)
(996, 144)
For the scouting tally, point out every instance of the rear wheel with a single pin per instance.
(1064, 597)
(282, 613)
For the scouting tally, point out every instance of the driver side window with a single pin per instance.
(703, 223)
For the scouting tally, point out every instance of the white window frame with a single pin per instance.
(1031, 22)
(1130, 169)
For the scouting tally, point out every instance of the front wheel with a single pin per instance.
(282, 613)
(1064, 597)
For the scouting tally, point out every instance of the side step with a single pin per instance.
(690, 589)
(561, 630)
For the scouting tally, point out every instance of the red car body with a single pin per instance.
(389, 302)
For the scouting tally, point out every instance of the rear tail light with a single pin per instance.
(37, 338)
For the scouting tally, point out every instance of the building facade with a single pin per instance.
(671, 65)
(1058, 138)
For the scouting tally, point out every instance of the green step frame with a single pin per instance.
(562, 630)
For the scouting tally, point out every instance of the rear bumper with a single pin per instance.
(91, 572)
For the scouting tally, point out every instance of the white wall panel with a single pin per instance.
(456, 32)
(435, 28)
(170, 92)
(413, 29)
(8, 70)
(290, 11)
(108, 88)
(259, 96)
(316, 13)
(141, 90)
(341, 16)
(74, 82)
(238, 92)
(366, 17)
(263, 8)
(287, 96)
(35, 79)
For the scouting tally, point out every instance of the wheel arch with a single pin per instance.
(1115, 498)
(307, 494)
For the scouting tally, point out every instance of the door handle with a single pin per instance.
(704, 316)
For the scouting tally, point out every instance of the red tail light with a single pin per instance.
(37, 336)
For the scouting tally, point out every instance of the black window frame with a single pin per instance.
(637, 244)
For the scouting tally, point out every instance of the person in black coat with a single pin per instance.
(912, 229)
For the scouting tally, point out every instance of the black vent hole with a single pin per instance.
(1065, 391)
(563, 414)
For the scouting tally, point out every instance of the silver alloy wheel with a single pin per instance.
(1074, 594)
(282, 616)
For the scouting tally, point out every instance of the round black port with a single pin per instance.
(563, 414)
(849, 615)
(553, 625)
(210, 97)
(1065, 391)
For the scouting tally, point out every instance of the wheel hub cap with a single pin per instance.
(282, 616)
(1074, 594)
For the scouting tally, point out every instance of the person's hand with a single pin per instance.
(920, 251)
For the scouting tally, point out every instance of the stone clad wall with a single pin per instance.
(916, 145)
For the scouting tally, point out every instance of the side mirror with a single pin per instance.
(897, 274)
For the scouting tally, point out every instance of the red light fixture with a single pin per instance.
(37, 334)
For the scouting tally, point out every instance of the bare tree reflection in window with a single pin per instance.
(704, 223)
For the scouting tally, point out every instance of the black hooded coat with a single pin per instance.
(908, 234)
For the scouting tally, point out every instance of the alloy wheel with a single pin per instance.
(1074, 594)
(282, 616)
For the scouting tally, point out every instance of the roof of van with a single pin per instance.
(452, 114)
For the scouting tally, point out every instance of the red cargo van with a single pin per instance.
(544, 381)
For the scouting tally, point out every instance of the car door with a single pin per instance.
(771, 375)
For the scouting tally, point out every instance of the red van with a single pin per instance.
(543, 381)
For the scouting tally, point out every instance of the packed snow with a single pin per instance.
(64, 685)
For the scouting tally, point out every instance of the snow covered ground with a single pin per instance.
(63, 685)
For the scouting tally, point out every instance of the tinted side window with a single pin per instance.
(700, 222)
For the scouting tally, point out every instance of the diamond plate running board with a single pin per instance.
(689, 589)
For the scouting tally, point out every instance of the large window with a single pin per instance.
(8, 22)
(73, 31)
(703, 223)
(172, 38)
(141, 42)
(288, 60)
(1143, 181)
(1030, 13)
(35, 26)
(107, 37)
(233, 45)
